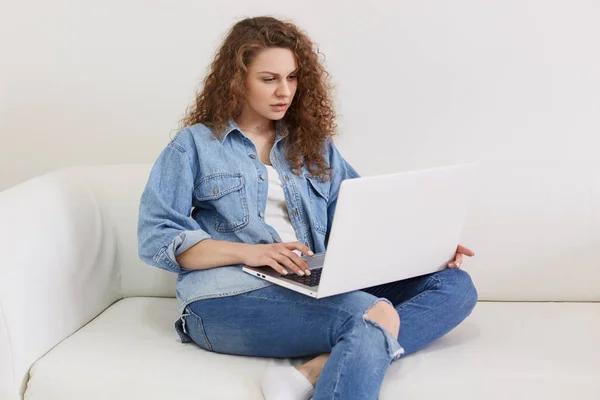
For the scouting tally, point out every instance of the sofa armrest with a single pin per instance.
(57, 269)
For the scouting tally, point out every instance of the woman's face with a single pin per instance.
(271, 81)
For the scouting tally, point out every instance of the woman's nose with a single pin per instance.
(283, 90)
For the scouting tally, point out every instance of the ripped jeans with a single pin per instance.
(277, 322)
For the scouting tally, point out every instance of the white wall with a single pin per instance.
(513, 84)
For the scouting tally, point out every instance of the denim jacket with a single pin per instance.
(203, 187)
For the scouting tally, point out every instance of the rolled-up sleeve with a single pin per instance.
(165, 227)
(341, 170)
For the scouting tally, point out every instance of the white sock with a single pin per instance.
(285, 382)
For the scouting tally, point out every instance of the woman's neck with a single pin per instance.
(255, 124)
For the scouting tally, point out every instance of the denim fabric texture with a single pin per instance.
(277, 322)
(203, 187)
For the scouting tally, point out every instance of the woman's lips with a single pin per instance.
(279, 108)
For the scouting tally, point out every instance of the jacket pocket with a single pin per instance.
(318, 192)
(224, 194)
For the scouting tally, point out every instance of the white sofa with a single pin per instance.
(81, 317)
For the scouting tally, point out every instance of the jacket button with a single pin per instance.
(278, 240)
(262, 176)
(252, 155)
(260, 214)
(295, 213)
(287, 178)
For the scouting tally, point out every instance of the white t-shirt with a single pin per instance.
(276, 213)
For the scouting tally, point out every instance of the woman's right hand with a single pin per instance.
(278, 256)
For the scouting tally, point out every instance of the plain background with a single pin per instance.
(511, 84)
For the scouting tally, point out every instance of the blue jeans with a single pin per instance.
(277, 322)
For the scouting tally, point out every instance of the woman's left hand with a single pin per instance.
(458, 257)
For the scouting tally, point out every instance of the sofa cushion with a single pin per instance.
(503, 350)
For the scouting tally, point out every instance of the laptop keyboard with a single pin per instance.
(311, 280)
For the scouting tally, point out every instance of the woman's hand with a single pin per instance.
(458, 257)
(278, 256)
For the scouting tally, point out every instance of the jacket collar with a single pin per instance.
(281, 130)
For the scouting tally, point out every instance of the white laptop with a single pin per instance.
(387, 228)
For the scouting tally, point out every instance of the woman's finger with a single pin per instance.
(457, 262)
(463, 250)
(277, 267)
(298, 246)
(286, 262)
(300, 262)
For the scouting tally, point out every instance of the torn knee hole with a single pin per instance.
(385, 315)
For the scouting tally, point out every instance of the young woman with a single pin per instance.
(253, 179)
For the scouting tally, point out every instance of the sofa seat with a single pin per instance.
(131, 351)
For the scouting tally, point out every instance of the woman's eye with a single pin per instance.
(273, 79)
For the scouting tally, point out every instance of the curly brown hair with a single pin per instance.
(310, 119)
